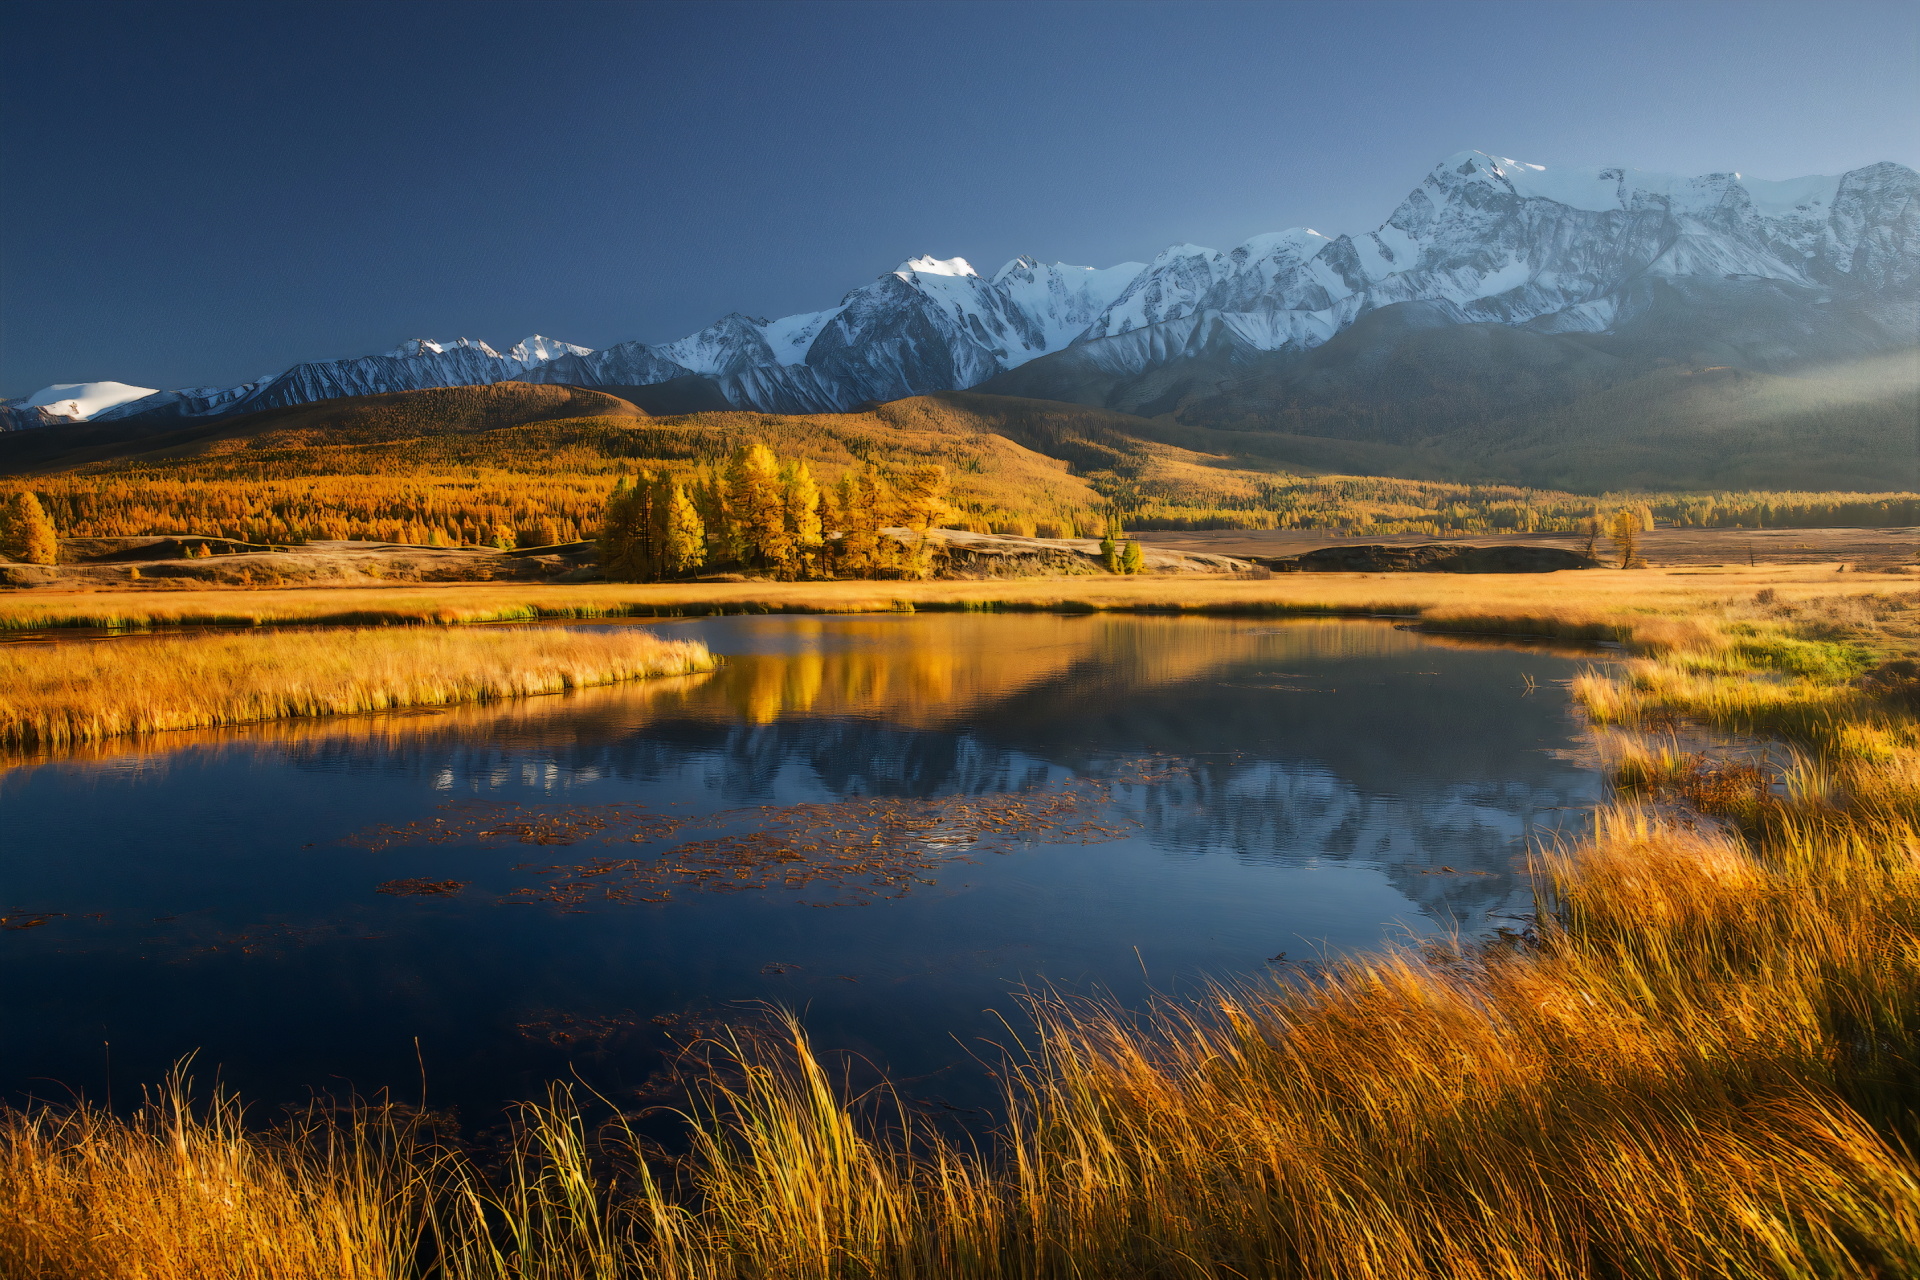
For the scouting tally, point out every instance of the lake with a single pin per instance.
(892, 823)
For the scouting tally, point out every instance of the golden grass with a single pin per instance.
(1655, 608)
(55, 694)
(1702, 1062)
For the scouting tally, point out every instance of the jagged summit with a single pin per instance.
(927, 264)
(1785, 270)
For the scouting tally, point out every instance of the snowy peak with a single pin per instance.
(414, 347)
(79, 401)
(1296, 242)
(528, 351)
(928, 265)
(1616, 188)
(539, 350)
(1058, 301)
(1607, 189)
(1490, 238)
(729, 344)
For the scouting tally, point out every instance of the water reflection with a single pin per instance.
(1279, 786)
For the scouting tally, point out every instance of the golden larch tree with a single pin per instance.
(25, 531)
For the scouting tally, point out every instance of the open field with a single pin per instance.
(56, 694)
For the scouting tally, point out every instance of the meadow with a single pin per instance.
(52, 695)
(1699, 1059)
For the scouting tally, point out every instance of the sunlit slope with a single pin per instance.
(399, 415)
(465, 459)
(986, 468)
(455, 462)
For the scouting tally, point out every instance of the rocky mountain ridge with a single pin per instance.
(1776, 273)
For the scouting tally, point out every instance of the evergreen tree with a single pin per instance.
(1109, 554)
(25, 531)
(1132, 559)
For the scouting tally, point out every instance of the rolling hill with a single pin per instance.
(480, 465)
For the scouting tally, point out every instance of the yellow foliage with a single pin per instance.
(75, 692)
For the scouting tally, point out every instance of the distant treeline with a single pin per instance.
(1367, 505)
(483, 507)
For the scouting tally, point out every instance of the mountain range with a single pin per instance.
(1498, 299)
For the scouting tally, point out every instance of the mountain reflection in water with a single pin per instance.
(1242, 789)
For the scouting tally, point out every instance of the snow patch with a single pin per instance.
(791, 337)
(428, 347)
(78, 401)
(539, 350)
(929, 265)
(1495, 283)
(1806, 197)
(1302, 241)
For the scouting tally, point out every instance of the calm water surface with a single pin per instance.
(1093, 804)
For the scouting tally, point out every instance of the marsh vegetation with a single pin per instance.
(1697, 1059)
(57, 694)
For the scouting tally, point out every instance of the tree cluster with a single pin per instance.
(1118, 554)
(766, 515)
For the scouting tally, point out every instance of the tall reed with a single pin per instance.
(1700, 1061)
(61, 693)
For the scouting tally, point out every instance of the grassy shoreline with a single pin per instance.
(1653, 607)
(1703, 1061)
(53, 695)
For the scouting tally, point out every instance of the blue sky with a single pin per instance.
(202, 193)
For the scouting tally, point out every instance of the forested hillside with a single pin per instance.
(521, 463)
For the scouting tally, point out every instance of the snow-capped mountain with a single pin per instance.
(928, 325)
(76, 401)
(411, 366)
(1485, 239)
(1832, 262)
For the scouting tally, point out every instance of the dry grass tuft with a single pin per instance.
(56, 694)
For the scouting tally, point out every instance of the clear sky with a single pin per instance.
(199, 193)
